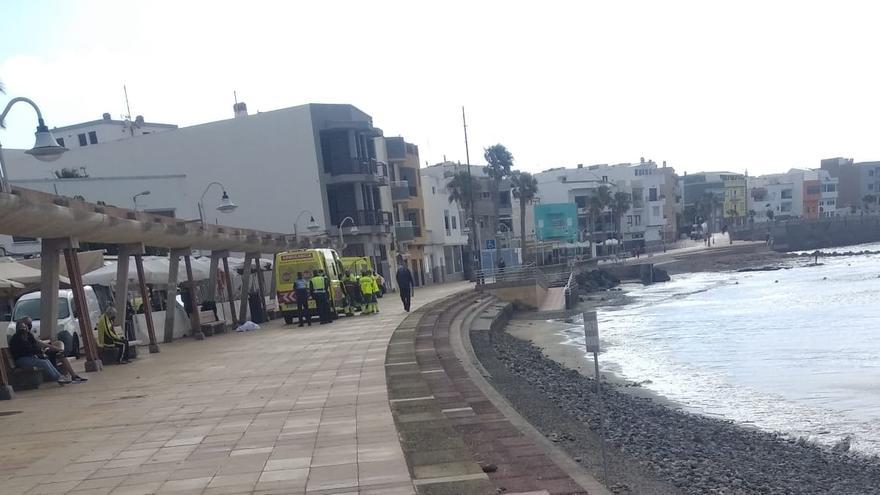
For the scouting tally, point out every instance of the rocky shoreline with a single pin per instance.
(657, 449)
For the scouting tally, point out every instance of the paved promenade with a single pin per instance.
(282, 410)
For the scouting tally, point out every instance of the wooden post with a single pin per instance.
(212, 274)
(122, 283)
(50, 270)
(93, 361)
(229, 291)
(245, 288)
(195, 322)
(148, 304)
(171, 299)
(261, 285)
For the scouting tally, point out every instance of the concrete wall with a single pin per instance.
(815, 234)
(525, 295)
(268, 162)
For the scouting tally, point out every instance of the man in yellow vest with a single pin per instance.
(366, 282)
(318, 288)
(349, 283)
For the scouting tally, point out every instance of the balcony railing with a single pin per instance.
(400, 190)
(362, 217)
(348, 166)
(404, 231)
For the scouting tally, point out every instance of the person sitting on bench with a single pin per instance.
(55, 354)
(28, 353)
(107, 336)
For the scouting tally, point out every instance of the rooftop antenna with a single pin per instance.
(127, 117)
(235, 96)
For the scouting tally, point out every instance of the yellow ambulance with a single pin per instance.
(307, 262)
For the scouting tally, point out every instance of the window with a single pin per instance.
(60, 141)
(17, 238)
(637, 219)
(652, 194)
(786, 194)
(93, 137)
(604, 178)
(446, 220)
(813, 189)
(433, 190)
(454, 226)
(870, 173)
(82, 139)
(486, 195)
(629, 219)
(656, 211)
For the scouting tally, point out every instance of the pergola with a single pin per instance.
(62, 223)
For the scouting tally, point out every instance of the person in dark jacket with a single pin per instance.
(405, 285)
(28, 352)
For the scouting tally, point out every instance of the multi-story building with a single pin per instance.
(775, 196)
(653, 192)
(100, 131)
(849, 190)
(408, 208)
(729, 190)
(495, 229)
(281, 167)
(447, 242)
(869, 183)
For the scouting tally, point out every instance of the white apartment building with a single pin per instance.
(281, 167)
(654, 191)
(104, 130)
(780, 193)
(446, 242)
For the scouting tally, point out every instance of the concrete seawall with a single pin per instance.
(815, 234)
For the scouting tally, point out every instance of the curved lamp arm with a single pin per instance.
(25, 100)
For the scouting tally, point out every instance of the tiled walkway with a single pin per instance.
(282, 410)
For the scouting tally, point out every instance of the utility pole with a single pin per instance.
(474, 225)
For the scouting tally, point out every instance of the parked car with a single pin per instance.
(68, 317)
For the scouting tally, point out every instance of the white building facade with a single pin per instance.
(281, 167)
(446, 241)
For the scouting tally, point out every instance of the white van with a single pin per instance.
(68, 321)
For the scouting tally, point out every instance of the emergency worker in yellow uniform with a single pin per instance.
(366, 282)
(318, 287)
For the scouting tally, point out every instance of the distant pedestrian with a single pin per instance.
(405, 285)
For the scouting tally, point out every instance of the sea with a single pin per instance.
(795, 351)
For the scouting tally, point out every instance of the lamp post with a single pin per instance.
(134, 199)
(312, 226)
(46, 148)
(226, 205)
(353, 230)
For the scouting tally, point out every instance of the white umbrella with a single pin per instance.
(156, 270)
(23, 274)
(10, 284)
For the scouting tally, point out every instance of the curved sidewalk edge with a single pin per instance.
(450, 421)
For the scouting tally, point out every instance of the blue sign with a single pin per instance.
(490, 243)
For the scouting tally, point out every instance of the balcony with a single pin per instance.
(400, 190)
(343, 170)
(404, 231)
(368, 222)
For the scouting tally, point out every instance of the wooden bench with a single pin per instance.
(20, 378)
(210, 323)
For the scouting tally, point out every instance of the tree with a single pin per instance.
(499, 162)
(598, 202)
(71, 173)
(770, 215)
(707, 205)
(524, 187)
(620, 203)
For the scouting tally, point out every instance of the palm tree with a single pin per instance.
(707, 205)
(524, 187)
(620, 203)
(499, 163)
(461, 188)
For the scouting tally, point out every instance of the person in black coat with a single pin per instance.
(405, 285)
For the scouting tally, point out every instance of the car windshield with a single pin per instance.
(31, 307)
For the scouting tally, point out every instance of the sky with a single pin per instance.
(749, 85)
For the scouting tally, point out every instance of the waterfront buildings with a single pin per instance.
(653, 192)
(447, 242)
(798, 193)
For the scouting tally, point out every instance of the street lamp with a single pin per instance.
(353, 230)
(226, 205)
(134, 199)
(46, 148)
(312, 225)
